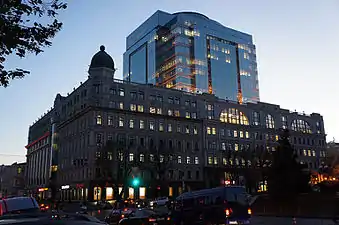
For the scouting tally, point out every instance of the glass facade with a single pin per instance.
(190, 52)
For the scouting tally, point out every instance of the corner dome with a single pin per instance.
(102, 59)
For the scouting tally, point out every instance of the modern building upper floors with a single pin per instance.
(191, 52)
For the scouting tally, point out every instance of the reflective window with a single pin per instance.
(269, 121)
(138, 65)
(301, 126)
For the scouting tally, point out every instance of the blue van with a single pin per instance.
(221, 205)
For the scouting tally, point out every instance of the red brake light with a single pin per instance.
(168, 218)
(122, 215)
(228, 212)
(151, 220)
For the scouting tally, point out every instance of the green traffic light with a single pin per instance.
(135, 182)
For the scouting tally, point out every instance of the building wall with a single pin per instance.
(12, 180)
(220, 132)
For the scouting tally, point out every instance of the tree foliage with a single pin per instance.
(21, 31)
(287, 177)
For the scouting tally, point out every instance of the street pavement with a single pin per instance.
(258, 220)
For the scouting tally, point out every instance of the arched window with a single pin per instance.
(301, 126)
(233, 116)
(269, 121)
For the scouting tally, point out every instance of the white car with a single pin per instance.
(159, 201)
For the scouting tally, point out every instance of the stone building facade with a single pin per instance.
(108, 127)
(12, 180)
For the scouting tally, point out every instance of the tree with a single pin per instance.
(21, 32)
(286, 176)
(158, 165)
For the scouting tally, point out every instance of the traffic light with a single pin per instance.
(135, 182)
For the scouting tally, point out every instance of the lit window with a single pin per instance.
(161, 126)
(140, 108)
(188, 160)
(151, 125)
(236, 147)
(196, 160)
(223, 145)
(170, 112)
(269, 121)
(208, 130)
(241, 134)
(233, 116)
(247, 134)
(121, 92)
(313, 153)
(176, 113)
(110, 120)
(142, 158)
(215, 160)
(179, 159)
(188, 115)
(152, 109)
(235, 133)
(169, 127)
(133, 107)
(142, 124)
(301, 126)
(195, 130)
(309, 153)
(131, 157)
(121, 156)
(121, 122)
(131, 123)
(159, 111)
(210, 161)
(99, 120)
(121, 105)
(224, 161)
(214, 131)
(187, 129)
(277, 137)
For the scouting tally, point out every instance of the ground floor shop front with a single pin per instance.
(93, 192)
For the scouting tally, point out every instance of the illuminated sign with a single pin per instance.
(42, 189)
(65, 187)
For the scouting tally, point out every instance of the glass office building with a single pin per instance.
(190, 52)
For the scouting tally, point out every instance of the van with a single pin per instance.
(221, 205)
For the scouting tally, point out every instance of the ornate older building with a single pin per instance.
(108, 131)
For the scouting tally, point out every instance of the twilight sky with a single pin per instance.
(297, 51)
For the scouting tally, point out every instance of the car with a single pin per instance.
(146, 217)
(17, 205)
(117, 214)
(159, 201)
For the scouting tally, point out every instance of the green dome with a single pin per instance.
(102, 59)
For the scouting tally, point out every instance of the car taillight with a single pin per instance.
(228, 212)
(249, 211)
(151, 220)
(47, 207)
(168, 218)
(122, 216)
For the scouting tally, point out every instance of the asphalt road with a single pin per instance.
(256, 220)
(288, 221)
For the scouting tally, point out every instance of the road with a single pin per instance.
(256, 220)
(287, 221)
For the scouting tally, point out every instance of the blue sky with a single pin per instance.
(297, 50)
